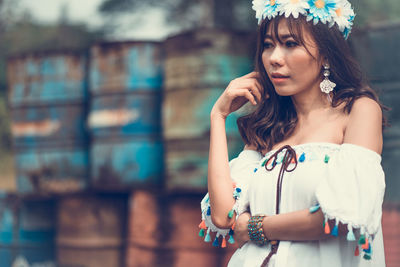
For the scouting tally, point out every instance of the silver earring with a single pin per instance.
(327, 85)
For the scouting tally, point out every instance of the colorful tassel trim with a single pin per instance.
(302, 157)
(236, 193)
(357, 251)
(366, 244)
(216, 242)
(208, 237)
(326, 160)
(255, 170)
(327, 229)
(264, 162)
(350, 234)
(335, 229)
(223, 244)
(367, 256)
(231, 240)
(202, 225)
(209, 211)
(361, 241)
(314, 209)
(230, 214)
(201, 233)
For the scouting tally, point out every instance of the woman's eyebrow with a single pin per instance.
(281, 37)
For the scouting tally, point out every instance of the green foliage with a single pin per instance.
(231, 14)
(370, 12)
(237, 14)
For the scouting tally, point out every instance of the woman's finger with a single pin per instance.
(252, 74)
(253, 86)
(247, 93)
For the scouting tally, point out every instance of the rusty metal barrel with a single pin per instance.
(90, 230)
(377, 49)
(27, 231)
(124, 118)
(165, 233)
(199, 65)
(47, 97)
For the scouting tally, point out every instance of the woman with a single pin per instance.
(308, 186)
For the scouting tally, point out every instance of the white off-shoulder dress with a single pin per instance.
(346, 181)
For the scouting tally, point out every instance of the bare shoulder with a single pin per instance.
(364, 125)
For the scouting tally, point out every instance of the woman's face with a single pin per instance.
(291, 68)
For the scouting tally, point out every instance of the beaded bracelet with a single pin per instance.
(255, 230)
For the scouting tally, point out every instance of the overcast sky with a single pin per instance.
(86, 11)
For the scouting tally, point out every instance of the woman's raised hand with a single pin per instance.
(238, 92)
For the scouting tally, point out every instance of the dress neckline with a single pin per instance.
(325, 144)
(328, 145)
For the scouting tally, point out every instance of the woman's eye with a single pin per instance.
(267, 45)
(291, 44)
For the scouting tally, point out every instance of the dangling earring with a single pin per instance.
(327, 85)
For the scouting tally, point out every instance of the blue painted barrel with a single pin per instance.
(124, 117)
(199, 65)
(48, 99)
(27, 231)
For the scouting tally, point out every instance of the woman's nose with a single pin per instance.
(277, 56)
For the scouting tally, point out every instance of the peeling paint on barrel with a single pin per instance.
(199, 66)
(186, 113)
(187, 161)
(48, 98)
(46, 78)
(123, 164)
(125, 66)
(52, 169)
(33, 125)
(125, 114)
(209, 70)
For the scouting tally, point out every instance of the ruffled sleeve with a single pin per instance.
(352, 193)
(241, 168)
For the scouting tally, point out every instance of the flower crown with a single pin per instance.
(325, 11)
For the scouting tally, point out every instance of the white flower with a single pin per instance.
(343, 15)
(258, 6)
(293, 7)
(265, 8)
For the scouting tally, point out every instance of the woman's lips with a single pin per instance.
(279, 78)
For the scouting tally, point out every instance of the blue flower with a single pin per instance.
(343, 16)
(321, 10)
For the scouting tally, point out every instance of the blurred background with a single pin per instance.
(104, 124)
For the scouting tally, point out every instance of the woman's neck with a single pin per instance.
(310, 104)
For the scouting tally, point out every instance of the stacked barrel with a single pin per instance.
(91, 230)
(27, 231)
(198, 66)
(93, 189)
(47, 96)
(124, 119)
(377, 50)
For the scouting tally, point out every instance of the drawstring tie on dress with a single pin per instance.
(289, 156)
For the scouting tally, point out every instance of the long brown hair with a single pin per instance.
(275, 118)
